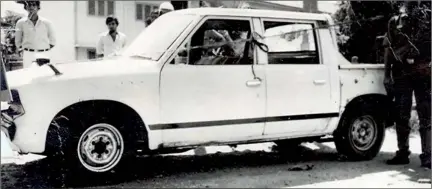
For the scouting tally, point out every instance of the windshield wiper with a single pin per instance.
(141, 56)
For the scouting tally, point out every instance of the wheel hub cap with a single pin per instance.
(363, 134)
(100, 148)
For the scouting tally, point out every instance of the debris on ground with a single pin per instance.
(305, 167)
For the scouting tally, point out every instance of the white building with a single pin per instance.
(78, 23)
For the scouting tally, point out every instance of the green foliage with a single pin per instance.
(8, 25)
(357, 36)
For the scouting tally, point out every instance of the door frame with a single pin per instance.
(297, 119)
(186, 37)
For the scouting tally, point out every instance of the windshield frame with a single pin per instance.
(134, 50)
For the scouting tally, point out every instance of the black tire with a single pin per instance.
(72, 169)
(352, 129)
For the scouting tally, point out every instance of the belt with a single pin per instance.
(38, 50)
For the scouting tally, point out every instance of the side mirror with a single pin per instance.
(42, 61)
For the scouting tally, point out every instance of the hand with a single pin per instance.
(224, 33)
(410, 61)
(51, 46)
(215, 34)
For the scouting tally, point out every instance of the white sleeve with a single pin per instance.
(18, 34)
(51, 34)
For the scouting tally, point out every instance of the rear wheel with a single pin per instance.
(361, 132)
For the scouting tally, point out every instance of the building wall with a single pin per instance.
(91, 26)
(63, 28)
(77, 31)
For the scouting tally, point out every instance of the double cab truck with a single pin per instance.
(276, 76)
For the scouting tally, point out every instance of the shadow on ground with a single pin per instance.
(162, 169)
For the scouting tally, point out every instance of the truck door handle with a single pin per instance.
(253, 83)
(319, 82)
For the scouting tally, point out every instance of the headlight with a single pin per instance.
(13, 109)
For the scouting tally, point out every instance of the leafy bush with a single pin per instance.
(8, 25)
(358, 36)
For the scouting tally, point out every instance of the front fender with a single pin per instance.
(43, 101)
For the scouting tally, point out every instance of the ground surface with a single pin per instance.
(248, 166)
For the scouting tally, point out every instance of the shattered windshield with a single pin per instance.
(158, 37)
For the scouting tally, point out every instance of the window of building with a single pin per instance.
(91, 7)
(291, 43)
(101, 8)
(110, 7)
(218, 42)
(143, 11)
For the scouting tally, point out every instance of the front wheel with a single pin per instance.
(100, 147)
(94, 147)
(361, 133)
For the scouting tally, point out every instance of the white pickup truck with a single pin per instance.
(172, 90)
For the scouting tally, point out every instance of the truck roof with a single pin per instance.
(254, 13)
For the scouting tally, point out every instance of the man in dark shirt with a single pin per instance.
(407, 59)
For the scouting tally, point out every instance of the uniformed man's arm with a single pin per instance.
(387, 63)
(388, 54)
(99, 47)
(51, 34)
(19, 34)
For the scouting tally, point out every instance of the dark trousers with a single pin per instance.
(404, 88)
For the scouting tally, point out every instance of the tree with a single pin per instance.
(357, 36)
(8, 47)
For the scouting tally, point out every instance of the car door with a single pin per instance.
(300, 101)
(211, 99)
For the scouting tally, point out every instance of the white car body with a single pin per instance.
(185, 106)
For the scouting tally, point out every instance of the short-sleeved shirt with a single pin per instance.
(37, 36)
(109, 47)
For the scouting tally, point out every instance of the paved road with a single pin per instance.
(249, 166)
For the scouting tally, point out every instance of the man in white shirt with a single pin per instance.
(111, 42)
(34, 34)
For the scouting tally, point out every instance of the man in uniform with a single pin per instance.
(164, 7)
(34, 34)
(407, 59)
